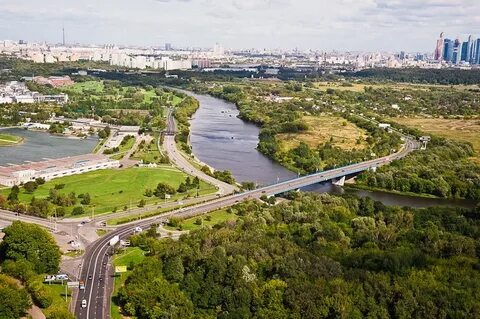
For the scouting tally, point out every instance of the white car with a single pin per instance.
(84, 303)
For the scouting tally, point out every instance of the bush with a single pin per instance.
(30, 187)
(78, 210)
(174, 222)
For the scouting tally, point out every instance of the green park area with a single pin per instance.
(115, 91)
(112, 190)
(8, 139)
(206, 220)
(129, 257)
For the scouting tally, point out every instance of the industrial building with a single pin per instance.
(54, 168)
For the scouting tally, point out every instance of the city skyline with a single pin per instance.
(345, 25)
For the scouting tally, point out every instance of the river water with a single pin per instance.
(225, 142)
(38, 146)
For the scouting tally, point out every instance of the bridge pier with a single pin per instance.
(339, 182)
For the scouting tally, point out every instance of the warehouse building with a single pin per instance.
(54, 168)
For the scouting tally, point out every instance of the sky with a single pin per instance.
(344, 25)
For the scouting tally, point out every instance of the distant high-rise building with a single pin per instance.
(402, 55)
(457, 51)
(471, 50)
(448, 50)
(439, 48)
(168, 47)
(465, 52)
(218, 51)
(477, 52)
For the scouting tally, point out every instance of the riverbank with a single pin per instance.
(354, 186)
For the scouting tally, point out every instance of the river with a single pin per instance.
(38, 146)
(225, 142)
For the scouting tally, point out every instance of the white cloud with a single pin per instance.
(317, 24)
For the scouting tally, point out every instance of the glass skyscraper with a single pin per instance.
(448, 50)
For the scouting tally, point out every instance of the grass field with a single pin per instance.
(57, 292)
(8, 139)
(175, 99)
(148, 153)
(131, 255)
(460, 130)
(97, 88)
(80, 87)
(323, 129)
(209, 219)
(111, 189)
(123, 149)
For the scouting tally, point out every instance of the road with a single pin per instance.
(96, 259)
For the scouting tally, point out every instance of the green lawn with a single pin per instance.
(123, 149)
(80, 87)
(215, 217)
(176, 100)
(148, 153)
(116, 188)
(8, 139)
(57, 292)
(130, 255)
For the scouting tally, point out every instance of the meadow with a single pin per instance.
(463, 130)
(322, 129)
(115, 189)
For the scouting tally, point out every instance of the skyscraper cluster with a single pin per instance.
(456, 51)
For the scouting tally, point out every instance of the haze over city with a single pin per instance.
(285, 24)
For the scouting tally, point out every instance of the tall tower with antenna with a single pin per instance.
(63, 35)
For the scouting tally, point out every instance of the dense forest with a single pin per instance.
(416, 75)
(317, 256)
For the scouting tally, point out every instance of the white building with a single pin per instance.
(50, 169)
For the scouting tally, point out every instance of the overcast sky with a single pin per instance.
(411, 25)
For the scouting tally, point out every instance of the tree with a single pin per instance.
(30, 242)
(196, 182)
(182, 188)
(163, 189)
(78, 210)
(13, 196)
(86, 199)
(173, 269)
(142, 203)
(14, 300)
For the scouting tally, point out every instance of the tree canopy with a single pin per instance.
(30, 243)
(317, 256)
